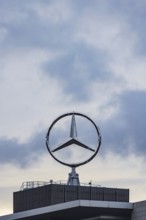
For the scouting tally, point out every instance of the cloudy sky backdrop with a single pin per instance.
(59, 56)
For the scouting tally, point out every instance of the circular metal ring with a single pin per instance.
(97, 131)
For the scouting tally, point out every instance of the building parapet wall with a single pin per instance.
(56, 193)
(139, 211)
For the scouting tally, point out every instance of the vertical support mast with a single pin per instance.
(73, 178)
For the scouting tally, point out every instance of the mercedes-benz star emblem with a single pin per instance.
(73, 140)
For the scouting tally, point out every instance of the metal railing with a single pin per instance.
(35, 184)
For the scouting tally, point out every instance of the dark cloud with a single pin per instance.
(134, 15)
(78, 68)
(21, 154)
(34, 30)
(125, 132)
(22, 20)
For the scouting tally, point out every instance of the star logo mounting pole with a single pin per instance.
(73, 139)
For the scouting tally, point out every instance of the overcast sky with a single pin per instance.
(61, 56)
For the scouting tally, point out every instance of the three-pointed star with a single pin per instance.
(73, 139)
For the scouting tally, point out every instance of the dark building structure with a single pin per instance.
(57, 193)
(53, 201)
(61, 202)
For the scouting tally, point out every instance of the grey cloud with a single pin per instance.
(22, 20)
(134, 15)
(21, 154)
(78, 68)
(125, 132)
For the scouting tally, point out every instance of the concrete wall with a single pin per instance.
(139, 211)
